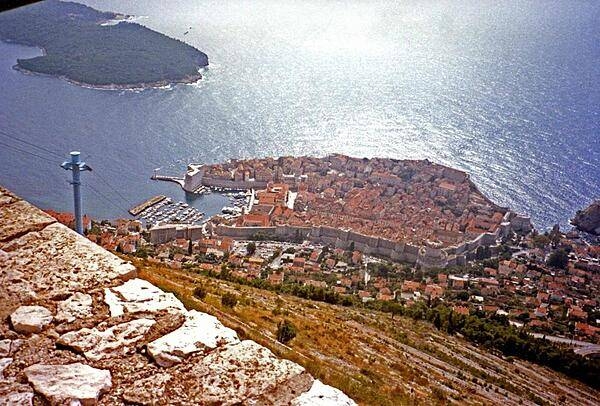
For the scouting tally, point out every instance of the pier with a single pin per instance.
(136, 210)
(167, 178)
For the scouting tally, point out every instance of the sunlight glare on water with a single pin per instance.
(507, 91)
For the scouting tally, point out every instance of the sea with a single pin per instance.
(507, 90)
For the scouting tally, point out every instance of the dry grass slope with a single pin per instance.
(373, 358)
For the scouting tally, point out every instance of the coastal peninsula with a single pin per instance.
(412, 211)
(83, 46)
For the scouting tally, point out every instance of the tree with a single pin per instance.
(251, 248)
(229, 300)
(462, 295)
(540, 241)
(558, 259)
(200, 292)
(286, 331)
(142, 252)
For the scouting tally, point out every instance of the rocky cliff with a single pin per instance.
(78, 327)
(588, 219)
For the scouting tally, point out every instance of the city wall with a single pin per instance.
(195, 177)
(398, 251)
(170, 232)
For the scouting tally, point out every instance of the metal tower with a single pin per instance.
(76, 166)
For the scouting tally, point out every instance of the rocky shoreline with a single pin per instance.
(99, 50)
(588, 219)
(189, 79)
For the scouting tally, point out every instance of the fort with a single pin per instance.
(412, 211)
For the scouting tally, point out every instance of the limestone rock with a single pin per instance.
(4, 362)
(138, 295)
(114, 341)
(147, 391)
(323, 395)
(15, 394)
(199, 332)
(20, 217)
(5, 347)
(69, 384)
(244, 373)
(78, 306)
(588, 219)
(30, 319)
(58, 259)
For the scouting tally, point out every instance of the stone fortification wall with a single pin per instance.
(399, 251)
(78, 327)
(193, 177)
(169, 232)
(233, 184)
(196, 177)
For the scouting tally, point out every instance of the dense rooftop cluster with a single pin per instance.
(400, 200)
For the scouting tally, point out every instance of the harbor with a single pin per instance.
(165, 210)
(240, 200)
(161, 210)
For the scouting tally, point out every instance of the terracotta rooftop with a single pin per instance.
(78, 327)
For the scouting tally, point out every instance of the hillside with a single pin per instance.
(374, 358)
(79, 48)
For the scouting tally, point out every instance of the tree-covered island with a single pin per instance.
(80, 48)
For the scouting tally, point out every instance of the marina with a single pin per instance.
(167, 211)
(240, 202)
(160, 210)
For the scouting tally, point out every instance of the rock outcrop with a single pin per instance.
(243, 373)
(321, 394)
(76, 306)
(30, 319)
(199, 332)
(78, 327)
(69, 384)
(137, 295)
(118, 340)
(588, 219)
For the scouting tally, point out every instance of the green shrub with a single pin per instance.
(558, 259)
(199, 292)
(229, 300)
(286, 331)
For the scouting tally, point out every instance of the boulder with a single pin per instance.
(199, 332)
(243, 373)
(96, 344)
(30, 319)
(138, 295)
(69, 384)
(77, 306)
(323, 395)
(588, 219)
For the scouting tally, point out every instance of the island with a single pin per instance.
(98, 49)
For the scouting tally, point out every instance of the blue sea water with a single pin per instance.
(506, 90)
